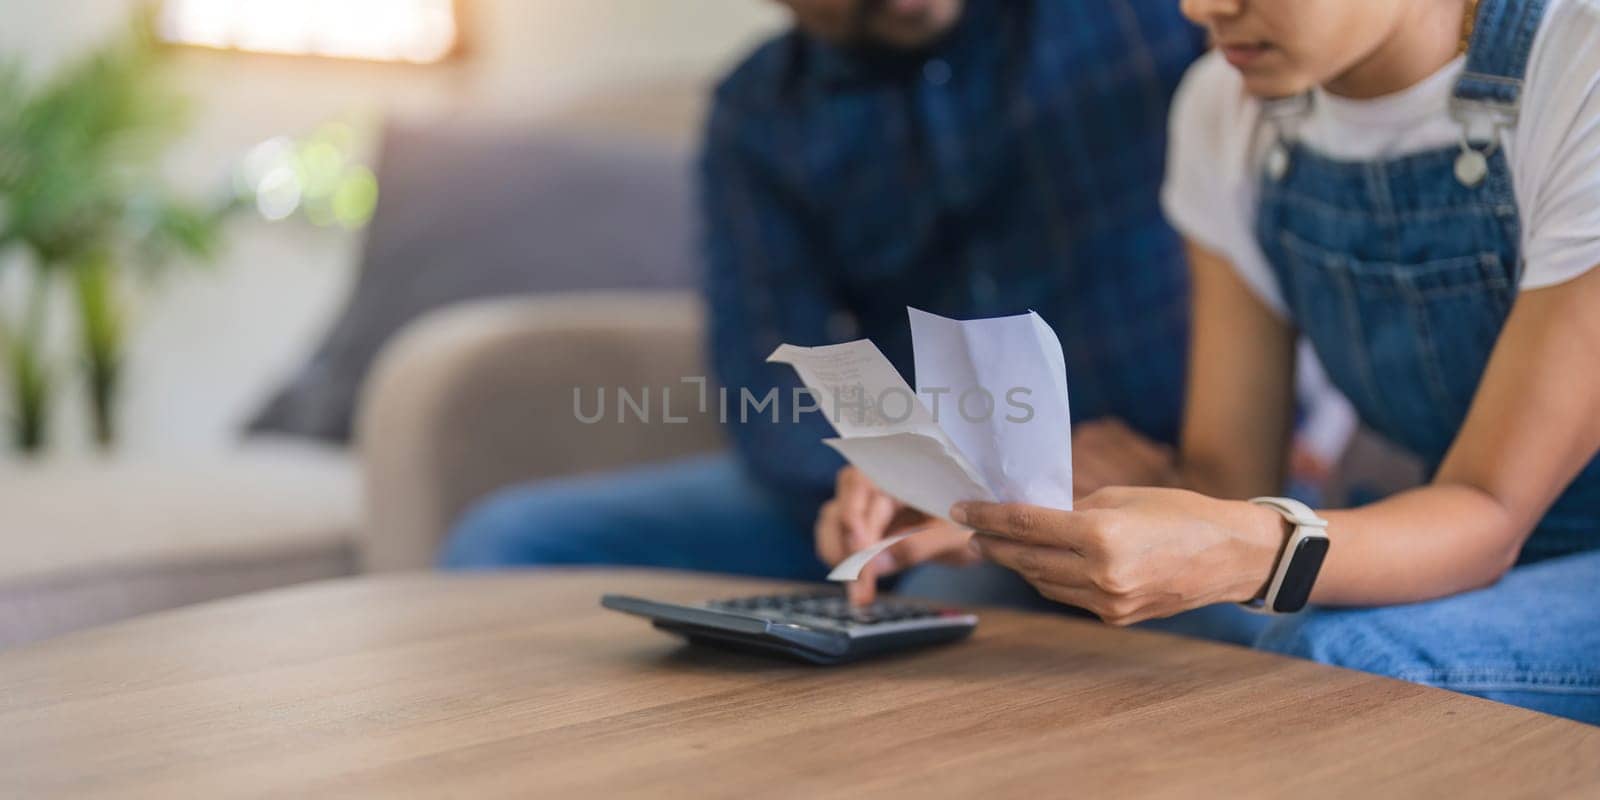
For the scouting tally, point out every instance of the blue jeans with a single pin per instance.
(701, 514)
(1531, 640)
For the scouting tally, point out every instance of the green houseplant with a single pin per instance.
(82, 198)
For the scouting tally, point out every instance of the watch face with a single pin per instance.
(1304, 564)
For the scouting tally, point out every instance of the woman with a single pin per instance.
(1428, 216)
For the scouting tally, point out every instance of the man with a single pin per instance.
(972, 159)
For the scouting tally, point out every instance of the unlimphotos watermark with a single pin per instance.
(851, 403)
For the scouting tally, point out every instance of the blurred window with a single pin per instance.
(416, 31)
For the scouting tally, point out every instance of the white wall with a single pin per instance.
(209, 345)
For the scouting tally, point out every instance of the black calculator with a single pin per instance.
(819, 627)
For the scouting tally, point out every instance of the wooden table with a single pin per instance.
(521, 686)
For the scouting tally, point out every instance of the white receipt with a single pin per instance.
(989, 420)
(1001, 386)
(858, 389)
(850, 568)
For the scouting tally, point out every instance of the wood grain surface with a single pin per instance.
(519, 685)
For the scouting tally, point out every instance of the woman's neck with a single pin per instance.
(1420, 44)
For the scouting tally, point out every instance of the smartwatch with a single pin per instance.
(1300, 560)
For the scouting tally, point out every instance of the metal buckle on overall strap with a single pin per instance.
(1472, 165)
(1277, 114)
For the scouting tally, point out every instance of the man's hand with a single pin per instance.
(1128, 555)
(861, 515)
(1106, 452)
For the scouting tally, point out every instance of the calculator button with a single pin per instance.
(829, 606)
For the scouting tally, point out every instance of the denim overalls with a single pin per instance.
(1401, 272)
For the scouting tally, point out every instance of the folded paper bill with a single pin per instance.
(850, 568)
(989, 419)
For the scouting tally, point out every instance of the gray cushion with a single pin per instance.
(469, 214)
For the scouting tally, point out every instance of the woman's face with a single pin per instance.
(1282, 47)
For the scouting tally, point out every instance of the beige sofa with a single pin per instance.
(466, 400)
(477, 397)
(90, 542)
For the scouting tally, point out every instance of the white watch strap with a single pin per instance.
(1293, 510)
(1306, 525)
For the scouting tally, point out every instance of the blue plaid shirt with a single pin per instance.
(1014, 166)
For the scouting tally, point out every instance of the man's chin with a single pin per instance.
(904, 39)
(911, 31)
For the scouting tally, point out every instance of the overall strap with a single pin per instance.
(1497, 59)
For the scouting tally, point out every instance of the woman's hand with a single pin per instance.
(860, 515)
(1128, 555)
(1106, 452)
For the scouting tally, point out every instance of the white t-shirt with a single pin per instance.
(1215, 156)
